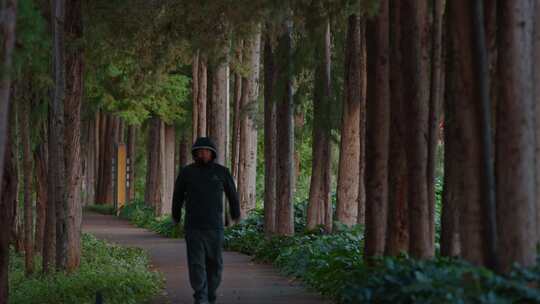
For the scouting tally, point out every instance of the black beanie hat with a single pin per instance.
(204, 143)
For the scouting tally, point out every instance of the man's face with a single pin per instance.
(204, 155)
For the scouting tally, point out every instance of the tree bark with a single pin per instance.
(515, 132)
(152, 194)
(247, 172)
(415, 44)
(236, 111)
(319, 210)
(40, 160)
(463, 143)
(72, 112)
(378, 132)
(90, 163)
(220, 104)
(108, 142)
(270, 139)
(9, 13)
(8, 187)
(201, 95)
(23, 108)
(195, 97)
(362, 130)
(57, 133)
(285, 135)
(349, 158)
(434, 110)
(167, 169)
(398, 189)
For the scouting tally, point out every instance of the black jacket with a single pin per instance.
(201, 187)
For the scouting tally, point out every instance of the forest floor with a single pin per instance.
(243, 280)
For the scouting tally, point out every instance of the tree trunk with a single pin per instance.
(167, 169)
(108, 142)
(8, 187)
(349, 158)
(515, 132)
(72, 112)
(537, 118)
(40, 160)
(184, 151)
(434, 110)
(131, 154)
(236, 112)
(49, 237)
(415, 50)
(90, 162)
(270, 139)
(201, 96)
(398, 188)
(220, 104)
(247, 172)
(320, 207)
(195, 97)
(9, 16)
(56, 140)
(23, 108)
(362, 130)
(285, 135)
(152, 194)
(463, 179)
(378, 132)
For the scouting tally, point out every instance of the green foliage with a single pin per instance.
(121, 275)
(142, 215)
(101, 209)
(334, 265)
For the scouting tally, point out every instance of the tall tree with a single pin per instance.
(23, 108)
(220, 99)
(153, 189)
(463, 175)
(202, 88)
(415, 50)
(247, 172)
(236, 111)
(349, 155)
(195, 96)
(437, 9)
(515, 132)
(319, 210)
(40, 160)
(72, 115)
(285, 133)
(270, 126)
(9, 20)
(168, 146)
(378, 131)
(398, 188)
(56, 133)
(8, 187)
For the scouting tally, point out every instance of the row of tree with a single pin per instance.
(381, 78)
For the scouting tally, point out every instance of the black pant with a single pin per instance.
(205, 261)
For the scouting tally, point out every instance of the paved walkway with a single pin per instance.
(244, 282)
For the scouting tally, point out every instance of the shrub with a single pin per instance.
(121, 275)
(334, 265)
(142, 216)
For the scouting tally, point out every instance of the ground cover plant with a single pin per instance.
(120, 275)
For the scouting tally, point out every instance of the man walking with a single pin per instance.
(201, 185)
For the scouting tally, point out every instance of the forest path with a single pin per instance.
(243, 280)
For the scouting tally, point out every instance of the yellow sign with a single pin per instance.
(121, 178)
